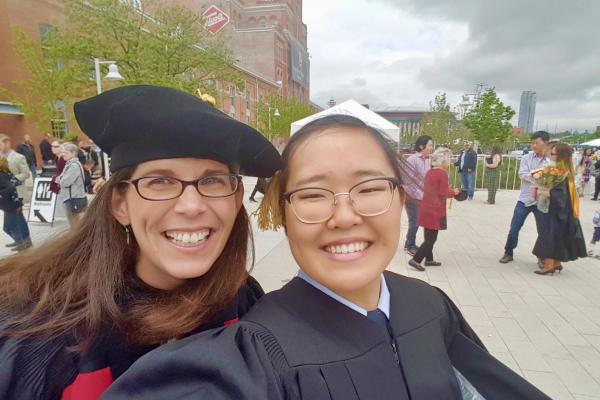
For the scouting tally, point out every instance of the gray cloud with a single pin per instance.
(408, 50)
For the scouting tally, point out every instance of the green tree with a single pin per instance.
(441, 124)
(47, 93)
(490, 119)
(289, 111)
(163, 45)
(438, 122)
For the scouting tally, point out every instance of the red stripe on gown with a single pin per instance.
(231, 321)
(88, 385)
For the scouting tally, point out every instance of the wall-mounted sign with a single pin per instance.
(215, 19)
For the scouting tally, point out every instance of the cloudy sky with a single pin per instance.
(400, 53)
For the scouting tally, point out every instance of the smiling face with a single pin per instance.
(180, 238)
(348, 252)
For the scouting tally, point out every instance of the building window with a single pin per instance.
(45, 30)
(247, 99)
(232, 95)
(137, 4)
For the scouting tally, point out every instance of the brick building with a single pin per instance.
(36, 16)
(266, 36)
(408, 121)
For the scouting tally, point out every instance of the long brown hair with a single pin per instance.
(564, 154)
(76, 283)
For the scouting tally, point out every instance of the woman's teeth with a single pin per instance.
(187, 238)
(347, 248)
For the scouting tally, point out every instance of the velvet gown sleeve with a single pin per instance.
(34, 369)
(490, 377)
(223, 364)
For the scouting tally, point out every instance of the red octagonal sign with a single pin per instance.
(215, 19)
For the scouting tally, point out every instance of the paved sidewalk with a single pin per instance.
(546, 328)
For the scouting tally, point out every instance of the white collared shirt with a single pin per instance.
(384, 295)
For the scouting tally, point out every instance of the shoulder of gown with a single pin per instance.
(34, 368)
(298, 343)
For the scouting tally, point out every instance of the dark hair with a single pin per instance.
(421, 142)
(545, 136)
(496, 150)
(271, 215)
(77, 283)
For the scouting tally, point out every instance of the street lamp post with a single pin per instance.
(275, 114)
(113, 75)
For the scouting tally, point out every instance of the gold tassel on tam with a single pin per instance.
(269, 216)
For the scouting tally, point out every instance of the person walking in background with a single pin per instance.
(60, 162)
(585, 167)
(578, 165)
(467, 164)
(562, 240)
(72, 183)
(527, 202)
(260, 187)
(596, 174)
(594, 252)
(584, 171)
(16, 163)
(432, 213)
(417, 165)
(492, 173)
(46, 150)
(15, 224)
(28, 151)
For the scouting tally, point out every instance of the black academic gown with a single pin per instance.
(299, 343)
(43, 369)
(563, 239)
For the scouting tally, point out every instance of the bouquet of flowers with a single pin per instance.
(547, 178)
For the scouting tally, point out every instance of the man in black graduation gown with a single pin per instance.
(301, 343)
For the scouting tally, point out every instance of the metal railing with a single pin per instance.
(509, 172)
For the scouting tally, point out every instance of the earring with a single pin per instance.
(127, 233)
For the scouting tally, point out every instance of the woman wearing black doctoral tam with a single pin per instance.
(344, 328)
(160, 253)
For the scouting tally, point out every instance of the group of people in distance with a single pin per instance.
(150, 288)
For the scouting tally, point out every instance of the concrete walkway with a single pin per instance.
(546, 328)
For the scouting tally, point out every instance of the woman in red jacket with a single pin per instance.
(432, 214)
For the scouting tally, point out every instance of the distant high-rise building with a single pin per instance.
(527, 110)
